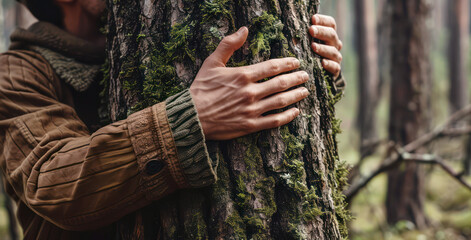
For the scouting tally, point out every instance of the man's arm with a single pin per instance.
(81, 181)
(78, 180)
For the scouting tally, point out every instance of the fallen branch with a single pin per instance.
(387, 164)
(368, 147)
(395, 158)
(432, 159)
(456, 132)
(439, 131)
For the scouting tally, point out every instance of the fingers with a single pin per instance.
(328, 52)
(276, 120)
(324, 20)
(270, 68)
(325, 30)
(282, 100)
(229, 45)
(280, 83)
(331, 66)
(327, 34)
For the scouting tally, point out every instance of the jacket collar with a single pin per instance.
(75, 61)
(47, 35)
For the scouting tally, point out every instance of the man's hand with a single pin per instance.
(230, 102)
(325, 28)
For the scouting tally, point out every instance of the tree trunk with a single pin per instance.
(23, 17)
(458, 22)
(341, 18)
(458, 50)
(365, 25)
(10, 209)
(7, 201)
(3, 45)
(439, 15)
(282, 183)
(409, 109)
(383, 32)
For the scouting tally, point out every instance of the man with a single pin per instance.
(66, 176)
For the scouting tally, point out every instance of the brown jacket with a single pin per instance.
(66, 178)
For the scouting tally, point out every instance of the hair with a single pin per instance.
(45, 10)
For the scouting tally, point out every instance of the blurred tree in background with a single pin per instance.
(458, 51)
(409, 114)
(368, 84)
(12, 15)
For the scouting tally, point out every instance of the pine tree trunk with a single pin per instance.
(341, 17)
(409, 109)
(458, 22)
(458, 50)
(23, 17)
(365, 27)
(383, 32)
(282, 183)
(3, 45)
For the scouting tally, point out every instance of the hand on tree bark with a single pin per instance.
(230, 102)
(325, 28)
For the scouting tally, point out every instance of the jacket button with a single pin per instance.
(153, 167)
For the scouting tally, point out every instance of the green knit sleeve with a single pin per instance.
(198, 158)
(340, 84)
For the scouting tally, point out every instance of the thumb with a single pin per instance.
(229, 45)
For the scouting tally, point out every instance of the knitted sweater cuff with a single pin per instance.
(198, 158)
(340, 84)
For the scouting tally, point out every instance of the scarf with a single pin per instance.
(76, 61)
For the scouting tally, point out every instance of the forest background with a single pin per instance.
(447, 202)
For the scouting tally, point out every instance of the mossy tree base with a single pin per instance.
(283, 183)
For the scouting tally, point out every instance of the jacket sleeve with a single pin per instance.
(82, 181)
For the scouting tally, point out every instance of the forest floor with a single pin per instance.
(447, 206)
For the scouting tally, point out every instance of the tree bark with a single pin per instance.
(3, 45)
(283, 183)
(384, 46)
(458, 50)
(409, 107)
(365, 25)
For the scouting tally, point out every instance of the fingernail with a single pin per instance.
(296, 63)
(315, 46)
(314, 30)
(325, 63)
(241, 30)
(316, 18)
(305, 76)
(296, 111)
(305, 92)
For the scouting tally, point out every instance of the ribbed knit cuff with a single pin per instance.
(198, 159)
(340, 84)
